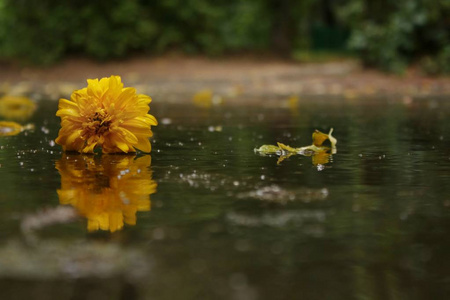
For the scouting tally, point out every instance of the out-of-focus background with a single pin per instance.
(254, 48)
(205, 216)
(390, 35)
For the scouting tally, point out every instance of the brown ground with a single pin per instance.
(178, 78)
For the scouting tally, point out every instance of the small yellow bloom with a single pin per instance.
(106, 115)
(107, 190)
(207, 99)
(16, 108)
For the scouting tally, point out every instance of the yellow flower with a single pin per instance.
(107, 115)
(108, 191)
(16, 108)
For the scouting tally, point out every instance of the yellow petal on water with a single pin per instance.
(8, 128)
(320, 154)
(206, 98)
(16, 107)
(293, 102)
(203, 98)
(318, 138)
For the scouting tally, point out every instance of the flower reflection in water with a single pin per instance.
(107, 190)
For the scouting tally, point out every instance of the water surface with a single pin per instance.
(205, 217)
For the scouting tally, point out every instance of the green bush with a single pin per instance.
(385, 34)
(393, 34)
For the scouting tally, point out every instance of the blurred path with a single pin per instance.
(177, 78)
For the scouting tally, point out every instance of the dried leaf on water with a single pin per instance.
(321, 154)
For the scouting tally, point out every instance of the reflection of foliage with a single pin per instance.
(109, 190)
(16, 108)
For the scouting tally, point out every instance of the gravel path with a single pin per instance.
(177, 78)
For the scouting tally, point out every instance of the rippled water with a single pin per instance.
(205, 217)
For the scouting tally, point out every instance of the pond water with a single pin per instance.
(205, 217)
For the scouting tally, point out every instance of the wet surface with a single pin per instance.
(205, 217)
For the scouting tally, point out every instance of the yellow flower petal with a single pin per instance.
(143, 144)
(126, 97)
(67, 104)
(319, 138)
(67, 112)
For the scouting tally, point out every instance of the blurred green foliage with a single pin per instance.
(393, 34)
(385, 34)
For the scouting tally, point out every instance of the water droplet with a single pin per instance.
(166, 121)
(45, 130)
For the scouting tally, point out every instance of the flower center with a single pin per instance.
(97, 124)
